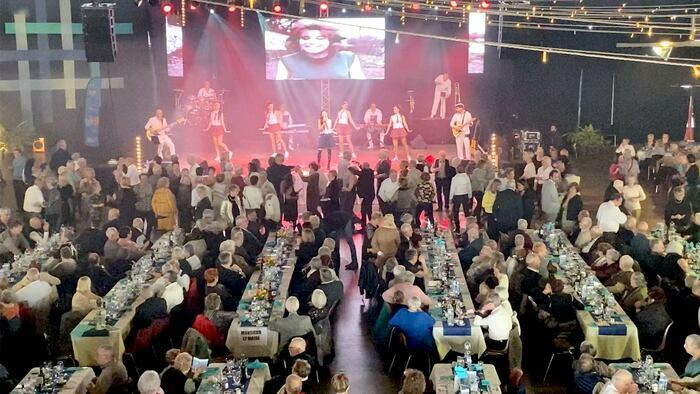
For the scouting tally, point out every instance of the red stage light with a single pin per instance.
(454, 3)
(368, 7)
(485, 4)
(277, 8)
(415, 6)
(232, 8)
(323, 6)
(193, 5)
(166, 8)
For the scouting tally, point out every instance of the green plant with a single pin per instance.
(586, 139)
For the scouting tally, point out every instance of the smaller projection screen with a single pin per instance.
(330, 48)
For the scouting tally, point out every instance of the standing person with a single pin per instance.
(273, 120)
(425, 193)
(480, 178)
(460, 123)
(290, 207)
(443, 90)
(217, 128)
(348, 192)
(34, 198)
(313, 187)
(325, 138)
(507, 210)
(399, 131)
(285, 123)
(144, 209)
(444, 173)
(552, 139)
(528, 198)
(387, 193)
(60, 156)
(343, 121)
(19, 161)
(157, 126)
(383, 167)
(572, 205)
(460, 194)
(550, 202)
(373, 125)
(331, 200)
(365, 190)
(164, 205)
(633, 194)
(184, 202)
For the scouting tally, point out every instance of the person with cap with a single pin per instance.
(460, 123)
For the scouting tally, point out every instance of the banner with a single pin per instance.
(93, 102)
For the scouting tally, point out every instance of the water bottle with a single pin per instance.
(663, 382)
(450, 316)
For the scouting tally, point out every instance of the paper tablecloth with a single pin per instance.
(443, 379)
(257, 379)
(77, 382)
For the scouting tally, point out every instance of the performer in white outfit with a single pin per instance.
(206, 91)
(343, 126)
(373, 124)
(159, 126)
(273, 125)
(443, 90)
(460, 122)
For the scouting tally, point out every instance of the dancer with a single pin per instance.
(373, 124)
(399, 131)
(460, 123)
(273, 126)
(217, 128)
(443, 90)
(325, 139)
(343, 121)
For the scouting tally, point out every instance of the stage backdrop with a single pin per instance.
(44, 75)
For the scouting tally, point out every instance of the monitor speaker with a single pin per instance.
(98, 32)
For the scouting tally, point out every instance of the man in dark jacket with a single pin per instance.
(365, 190)
(679, 210)
(60, 157)
(471, 249)
(91, 240)
(444, 173)
(507, 209)
(152, 308)
(277, 172)
(231, 276)
(331, 286)
(339, 225)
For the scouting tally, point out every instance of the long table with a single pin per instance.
(86, 340)
(454, 338)
(77, 382)
(616, 342)
(256, 384)
(443, 378)
(260, 341)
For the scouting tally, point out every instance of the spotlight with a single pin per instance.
(454, 3)
(193, 5)
(166, 8)
(232, 8)
(323, 6)
(415, 6)
(485, 4)
(211, 10)
(277, 8)
(367, 7)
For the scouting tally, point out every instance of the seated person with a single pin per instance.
(173, 293)
(12, 241)
(620, 281)
(213, 324)
(586, 378)
(340, 384)
(319, 306)
(600, 367)
(692, 347)
(124, 241)
(417, 266)
(302, 368)
(112, 375)
(622, 382)
(211, 278)
(293, 325)
(605, 268)
(293, 384)
(331, 286)
(636, 292)
(180, 379)
(84, 300)
(408, 289)
(152, 308)
(413, 382)
(497, 320)
(416, 324)
(650, 317)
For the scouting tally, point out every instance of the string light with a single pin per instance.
(139, 158)
(183, 13)
(545, 57)
(242, 17)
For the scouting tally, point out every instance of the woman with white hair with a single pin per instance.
(319, 309)
(318, 313)
(180, 379)
(584, 234)
(149, 383)
(293, 325)
(608, 266)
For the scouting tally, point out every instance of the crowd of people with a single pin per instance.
(97, 228)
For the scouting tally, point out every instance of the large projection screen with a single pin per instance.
(329, 48)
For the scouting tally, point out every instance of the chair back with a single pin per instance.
(662, 345)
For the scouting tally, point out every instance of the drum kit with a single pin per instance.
(199, 108)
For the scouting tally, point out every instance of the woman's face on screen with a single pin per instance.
(313, 41)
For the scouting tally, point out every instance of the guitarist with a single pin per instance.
(159, 126)
(460, 123)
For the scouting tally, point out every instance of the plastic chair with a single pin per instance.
(399, 345)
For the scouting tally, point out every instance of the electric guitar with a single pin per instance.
(156, 131)
(457, 130)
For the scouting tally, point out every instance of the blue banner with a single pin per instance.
(93, 102)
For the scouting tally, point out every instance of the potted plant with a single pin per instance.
(586, 139)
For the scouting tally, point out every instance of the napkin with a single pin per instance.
(256, 364)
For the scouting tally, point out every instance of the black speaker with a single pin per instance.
(98, 32)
